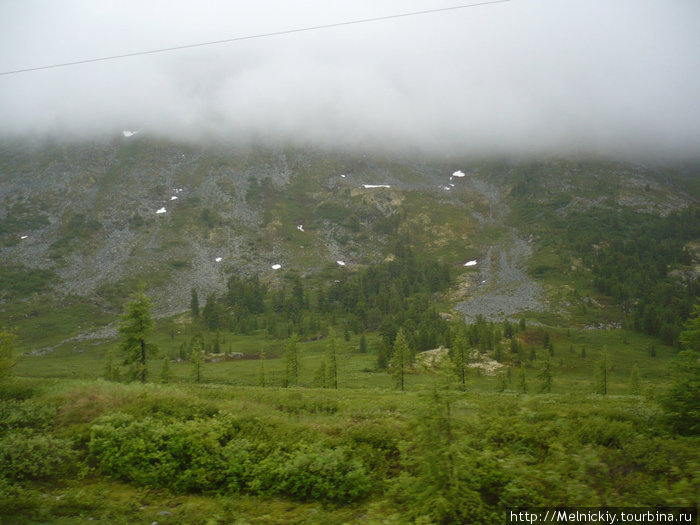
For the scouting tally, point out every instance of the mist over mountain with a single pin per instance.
(519, 78)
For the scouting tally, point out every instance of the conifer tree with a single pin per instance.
(291, 361)
(8, 344)
(261, 369)
(320, 379)
(165, 370)
(682, 401)
(332, 365)
(197, 359)
(502, 382)
(634, 381)
(400, 360)
(363, 344)
(111, 370)
(545, 377)
(136, 324)
(603, 371)
(460, 356)
(522, 382)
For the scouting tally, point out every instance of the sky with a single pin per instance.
(522, 77)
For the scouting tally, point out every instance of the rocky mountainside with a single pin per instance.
(85, 223)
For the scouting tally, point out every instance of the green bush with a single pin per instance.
(35, 457)
(313, 473)
(25, 415)
(207, 455)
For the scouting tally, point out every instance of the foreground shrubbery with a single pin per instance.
(438, 457)
(209, 455)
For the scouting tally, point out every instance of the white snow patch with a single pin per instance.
(452, 184)
(371, 186)
(218, 259)
(482, 282)
(342, 175)
(173, 198)
(470, 263)
(446, 188)
(276, 266)
(300, 227)
(129, 133)
(24, 237)
(340, 263)
(161, 210)
(458, 173)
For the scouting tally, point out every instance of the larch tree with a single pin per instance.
(8, 344)
(460, 357)
(400, 360)
(545, 376)
(136, 323)
(197, 359)
(602, 373)
(682, 401)
(332, 365)
(291, 361)
(261, 369)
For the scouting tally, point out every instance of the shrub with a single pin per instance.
(35, 457)
(313, 473)
(27, 415)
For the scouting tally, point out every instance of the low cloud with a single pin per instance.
(522, 77)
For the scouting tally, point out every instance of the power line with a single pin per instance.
(252, 37)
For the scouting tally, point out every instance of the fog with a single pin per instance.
(611, 77)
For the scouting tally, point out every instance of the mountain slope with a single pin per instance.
(82, 224)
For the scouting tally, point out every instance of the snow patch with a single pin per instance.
(340, 263)
(129, 133)
(458, 173)
(161, 210)
(218, 259)
(173, 198)
(300, 227)
(24, 237)
(342, 176)
(276, 266)
(470, 263)
(372, 186)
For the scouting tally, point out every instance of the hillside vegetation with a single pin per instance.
(250, 335)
